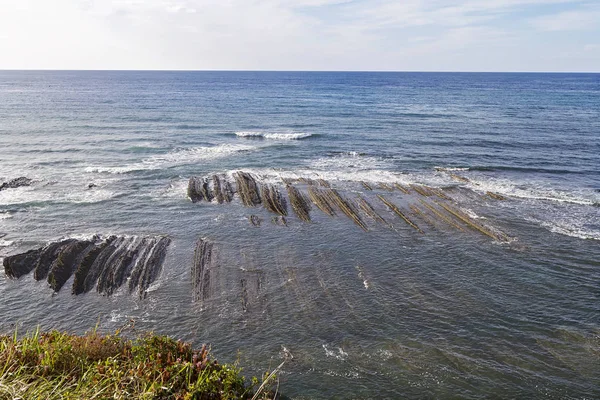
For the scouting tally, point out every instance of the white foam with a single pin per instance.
(340, 354)
(5, 215)
(570, 228)
(28, 194)
(178, 157)
(6, 243)
(274, 135)
(534, 191)
(449, 169)
(90, 196)
(177, 189)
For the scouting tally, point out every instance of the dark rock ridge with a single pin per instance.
(102, 263)
(205, 189)
(15, 183)
(203, 259)
(21, 264)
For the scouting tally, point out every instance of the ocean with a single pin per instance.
(469, 266)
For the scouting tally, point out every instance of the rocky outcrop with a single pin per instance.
(86, 264)
(150, 267)
(67, 261)
(102, 263)
(201, 270)
(15, 183)
(47, 258)
(21, 264)
(198, 189)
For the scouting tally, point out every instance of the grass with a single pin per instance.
(59, 365)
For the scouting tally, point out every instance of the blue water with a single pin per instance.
(387, 313)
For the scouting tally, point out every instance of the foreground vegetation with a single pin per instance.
(58, 365)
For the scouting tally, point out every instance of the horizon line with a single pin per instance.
(292, 70)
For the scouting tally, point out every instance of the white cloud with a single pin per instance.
(269, 34)
(577, 20)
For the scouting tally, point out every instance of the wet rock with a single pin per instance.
(247, 188)
(101, 261)
(198, 189)
(152, 267)
(105, 264)
(15, 183)
(66, 262)
(114, 275)
(201, 270)
(92, 185)
(47, 257)
(21, 264)
(86, 264)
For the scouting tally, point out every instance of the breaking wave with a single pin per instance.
(273, 135)
(178, 157)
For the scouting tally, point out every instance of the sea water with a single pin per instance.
(387, 313)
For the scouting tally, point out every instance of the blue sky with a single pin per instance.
(411, 35)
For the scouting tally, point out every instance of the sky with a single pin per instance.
(339, 35)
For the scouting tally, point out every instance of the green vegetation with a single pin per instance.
(58, 365)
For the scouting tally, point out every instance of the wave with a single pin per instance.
(570, 229)
(173, 158)
(6, 243)
(491, 168)
(273, 136)
(531, 191)
(451, 169)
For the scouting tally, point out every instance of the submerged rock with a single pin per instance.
(15, 183)
(201, 270)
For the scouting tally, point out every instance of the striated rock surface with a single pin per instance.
(102, 263)
(21, 264)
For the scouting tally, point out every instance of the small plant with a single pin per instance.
(58, 365)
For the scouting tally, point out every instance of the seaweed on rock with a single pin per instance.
(495, 196)
(402, 188)
(399, 212)
(346, 208)
(422, 190)
(499, 236)
(299, 202)
(279, 220)
(66, 262)
(321, 200)
(47, 257)
(368, 209)
(247, 188)
(441, 215)
(273, 200)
